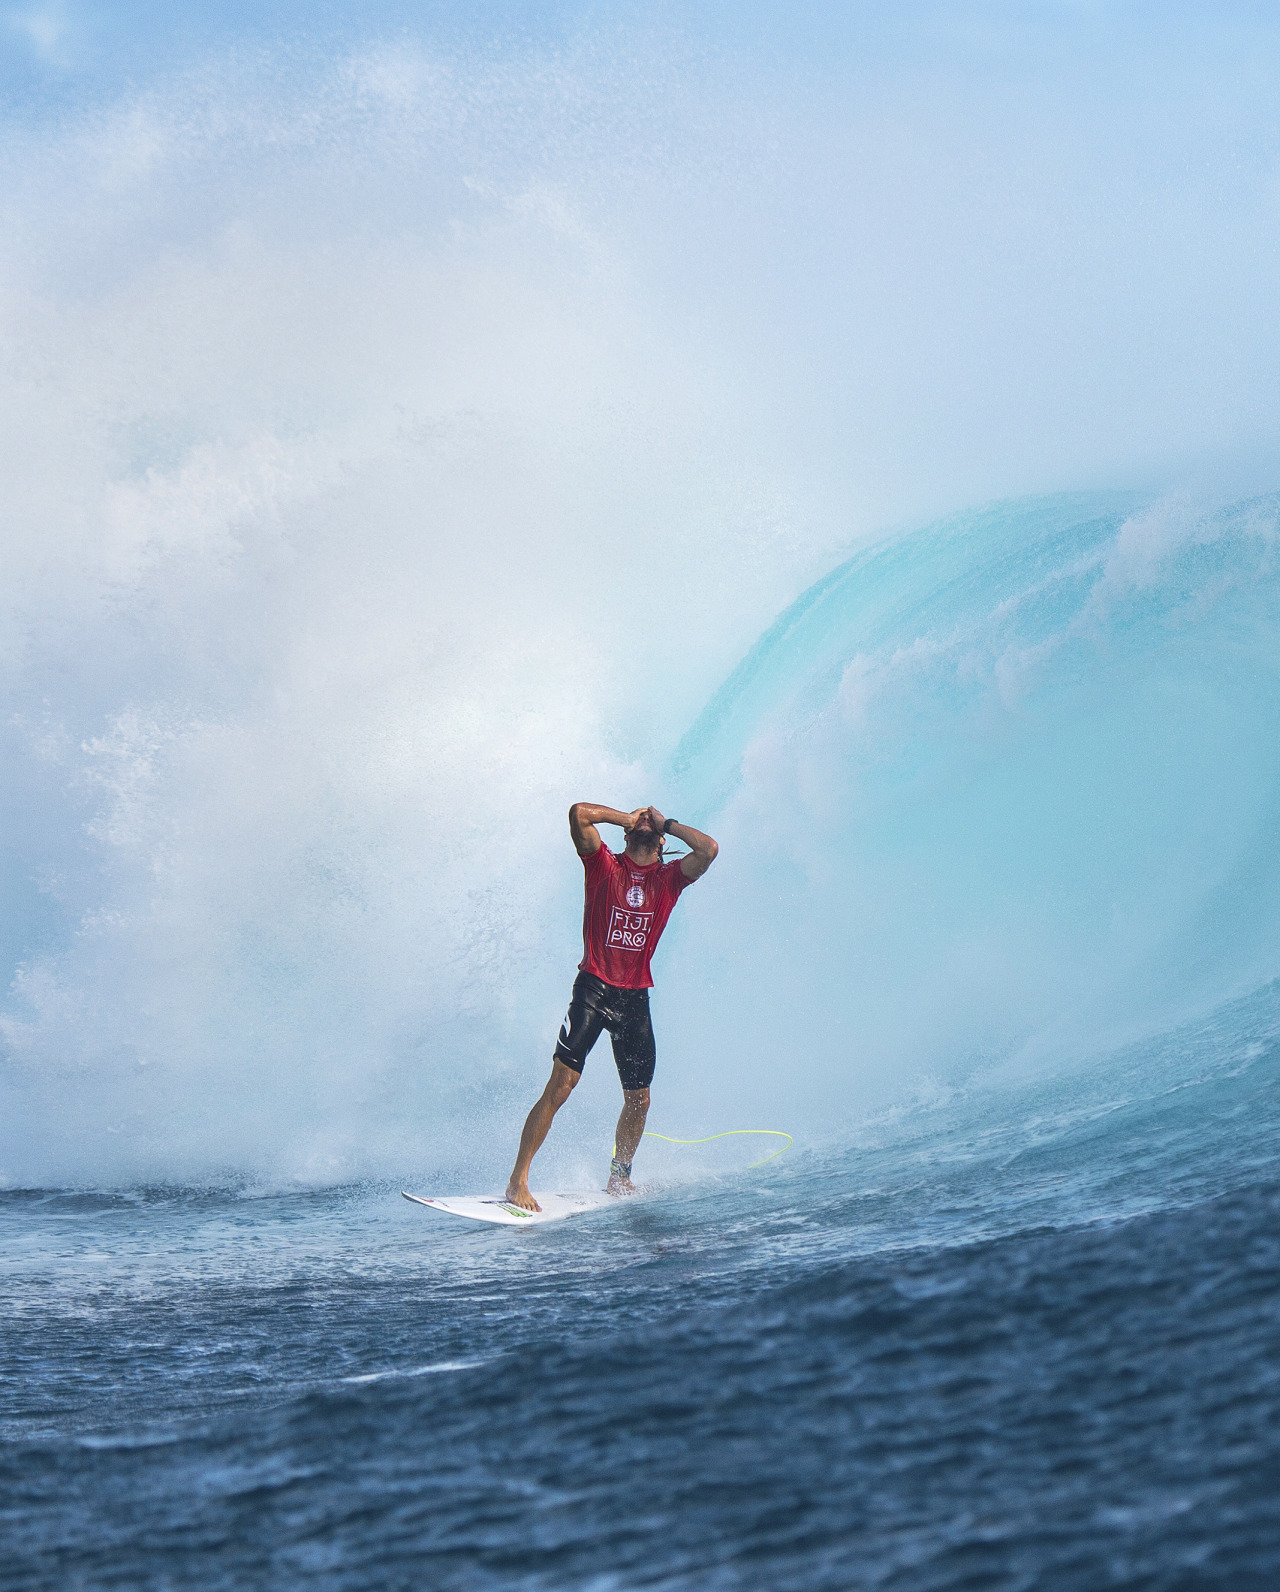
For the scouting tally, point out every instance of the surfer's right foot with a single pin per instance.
(518, 1194)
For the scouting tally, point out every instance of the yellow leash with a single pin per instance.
(730, 1133)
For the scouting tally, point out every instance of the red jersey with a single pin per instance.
(627, 908)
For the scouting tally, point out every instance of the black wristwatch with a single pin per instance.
(667, 823)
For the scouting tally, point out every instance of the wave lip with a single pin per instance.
(936, 576)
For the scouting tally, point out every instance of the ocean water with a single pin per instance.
(994, 936)
(1014, 1340)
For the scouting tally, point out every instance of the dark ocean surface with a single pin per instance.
(1023, 1337)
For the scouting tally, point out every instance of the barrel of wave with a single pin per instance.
(996, 793)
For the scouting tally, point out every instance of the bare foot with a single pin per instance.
(518, 1194)
(619, 1185)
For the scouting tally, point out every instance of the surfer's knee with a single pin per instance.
(561, 1084)
(637, 1099)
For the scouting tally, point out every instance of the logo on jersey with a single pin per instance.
(635, 895)
(628, 931)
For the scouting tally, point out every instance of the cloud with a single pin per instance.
(46, 29)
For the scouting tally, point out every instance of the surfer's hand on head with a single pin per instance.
(633, 819)
(644, 832)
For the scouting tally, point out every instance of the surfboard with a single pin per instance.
(493, 1208)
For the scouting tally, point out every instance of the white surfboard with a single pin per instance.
(492, 1208)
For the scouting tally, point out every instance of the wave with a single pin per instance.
(1002, 792)
(997, 794)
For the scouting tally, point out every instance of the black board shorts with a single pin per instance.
(595, 1005)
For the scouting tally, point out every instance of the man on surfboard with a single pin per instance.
(628, 901)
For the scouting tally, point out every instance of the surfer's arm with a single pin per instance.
(702, 849)
(702, 854)
(583, 818)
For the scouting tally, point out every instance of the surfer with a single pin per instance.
(628, 901)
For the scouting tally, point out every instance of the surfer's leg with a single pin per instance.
(635, 1054)
(537, 1125)
(626, 1138)
(582, 1027)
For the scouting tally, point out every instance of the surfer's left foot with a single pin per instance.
(619, 1178)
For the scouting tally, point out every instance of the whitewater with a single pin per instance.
(409, 433)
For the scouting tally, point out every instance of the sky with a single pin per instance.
(985, 247)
